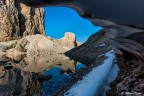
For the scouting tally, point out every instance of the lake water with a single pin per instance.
(59, 79)
(48, 74)
(98, 79)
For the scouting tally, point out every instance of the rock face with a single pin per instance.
(130, 78)
(18, 20)
(88, 51)
(67, 42)
(32, 45)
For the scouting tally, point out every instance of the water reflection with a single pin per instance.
(42, 63)
(60, 78)
(49, 87)
(52, 71)
(46, 74)
(55, 70)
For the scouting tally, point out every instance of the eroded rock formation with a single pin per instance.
(68, 41)
(18, 20)
(32, 45)
(87, 52)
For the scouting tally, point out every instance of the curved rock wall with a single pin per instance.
(118, 20)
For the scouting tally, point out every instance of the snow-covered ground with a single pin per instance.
(96, 82)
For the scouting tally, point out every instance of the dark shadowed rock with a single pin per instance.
(8, 67)
(43, 78)
(87, 52)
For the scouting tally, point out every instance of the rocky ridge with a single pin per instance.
(87, 52)
(67, 42)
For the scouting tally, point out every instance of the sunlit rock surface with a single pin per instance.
(31, 46)
(18, 20)
(67, 42)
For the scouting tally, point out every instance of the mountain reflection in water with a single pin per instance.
(58, 81)
(28, 74)
(62, 71)
(47, 74)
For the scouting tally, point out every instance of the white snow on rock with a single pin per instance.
(94, 81)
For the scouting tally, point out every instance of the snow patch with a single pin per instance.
(92, 83)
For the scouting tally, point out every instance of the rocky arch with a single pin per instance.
(119, 19)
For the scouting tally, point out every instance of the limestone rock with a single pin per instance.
(31, 20)
(18, 20)
(32, 45)
(68, 41)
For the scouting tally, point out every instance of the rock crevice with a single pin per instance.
(18, 20)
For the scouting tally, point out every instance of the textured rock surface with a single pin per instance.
(87, 52)
(18, 20)
(32, 45)
(130, 79)
(14, 82)
(68, 41)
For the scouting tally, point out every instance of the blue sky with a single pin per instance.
(59, 20)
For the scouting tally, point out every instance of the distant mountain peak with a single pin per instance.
(68, 41)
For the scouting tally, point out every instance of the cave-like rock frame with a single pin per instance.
(122, 20)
